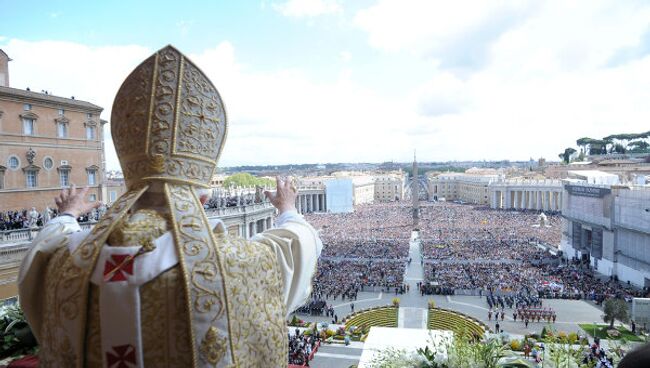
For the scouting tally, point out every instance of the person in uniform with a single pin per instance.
(156, 283)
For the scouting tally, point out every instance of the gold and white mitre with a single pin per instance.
(193, 298)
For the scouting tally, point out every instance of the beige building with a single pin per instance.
(461, 187)
(46, 143)
(389, 187)
(113, 189)
(363, 189)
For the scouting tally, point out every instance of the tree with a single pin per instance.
(615, 309)
(566, 156)
(245, 180)
(639, 146)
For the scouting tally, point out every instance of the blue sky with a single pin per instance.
(330, 81)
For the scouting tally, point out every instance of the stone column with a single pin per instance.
(526, 198)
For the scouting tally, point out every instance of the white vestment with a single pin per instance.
(295, 243)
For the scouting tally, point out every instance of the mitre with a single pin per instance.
(168, 122)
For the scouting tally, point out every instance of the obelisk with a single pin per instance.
(415, 193)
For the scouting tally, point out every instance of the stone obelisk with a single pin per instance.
(415, 193)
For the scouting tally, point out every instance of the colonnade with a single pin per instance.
(527, 199)
(258, 226)
(311, 202)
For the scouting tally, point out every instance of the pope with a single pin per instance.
(156, 283)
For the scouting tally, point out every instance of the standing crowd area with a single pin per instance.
(473, 250)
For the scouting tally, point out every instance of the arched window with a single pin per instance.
(91, 130)
(31, 176)
(91, 173)
(2, 176)
(29, 122)
(62, 124)
(64, 175)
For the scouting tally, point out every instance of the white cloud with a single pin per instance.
(424, 26)
(307, 8)
(541, 82)
(346, 56)
(548, 74)
(275, 117)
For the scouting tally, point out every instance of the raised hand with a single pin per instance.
(284, 197)
(74, 202)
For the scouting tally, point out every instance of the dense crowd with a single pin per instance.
(451, 231)
(377, 221)
(505, 277)
(365, 248)
(301, 347)
(463, 247)
(346, 278)
(24, 219)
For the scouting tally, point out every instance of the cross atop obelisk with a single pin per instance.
(415, 192)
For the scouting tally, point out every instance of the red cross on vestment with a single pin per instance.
(125, 268)
(122, 356)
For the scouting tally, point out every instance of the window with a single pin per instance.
(64, 177)
(31, 177)
(62, 130)
(28, 126)
(27, 107)
(2, 177)
(90, 132)
(112, 196)
(92, 197)
(92, 177)
(89, 115)
(48, 163)
(61, 112)
(13, 162)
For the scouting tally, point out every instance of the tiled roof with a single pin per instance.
(36, 96)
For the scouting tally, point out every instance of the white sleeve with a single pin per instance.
(54, 235)
(297, 247)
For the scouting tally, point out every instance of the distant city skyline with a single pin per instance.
(326, 81)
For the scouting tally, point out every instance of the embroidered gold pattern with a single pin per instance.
(169, 124)
(213, 346)
(140, 229)
(171, 104)
(67, 288)
(203, 274)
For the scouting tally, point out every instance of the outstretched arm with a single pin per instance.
(52, 236)
(295, 243)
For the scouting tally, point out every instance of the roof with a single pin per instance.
(591, 173)
(619, 162)
(41, 97)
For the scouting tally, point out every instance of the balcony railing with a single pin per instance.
(27, 235)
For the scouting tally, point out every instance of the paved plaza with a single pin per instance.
(413, 308)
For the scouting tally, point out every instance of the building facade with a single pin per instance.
(363, 189)
(389, 187)
(524, 194)
(46, 143)
(609, 227)
(461, 187)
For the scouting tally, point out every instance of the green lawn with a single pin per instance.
(601, 332)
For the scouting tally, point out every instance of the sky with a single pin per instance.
(318, 81)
